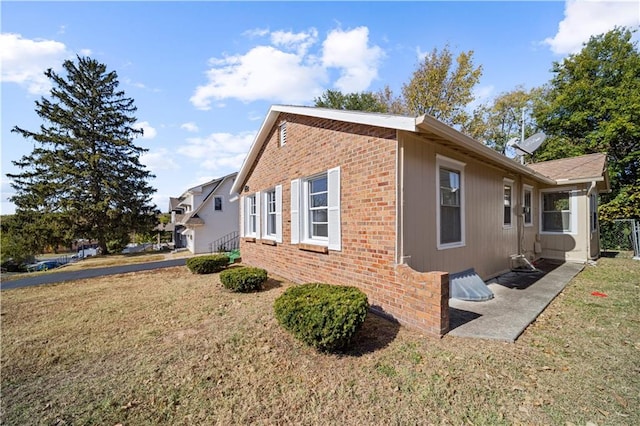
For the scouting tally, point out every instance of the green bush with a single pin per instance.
(243, 279)
(322, 315)
(208, 264)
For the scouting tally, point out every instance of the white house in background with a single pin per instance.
(204, 218)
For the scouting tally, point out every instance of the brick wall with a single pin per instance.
(367, 159)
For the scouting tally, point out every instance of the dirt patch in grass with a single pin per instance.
(169, 347)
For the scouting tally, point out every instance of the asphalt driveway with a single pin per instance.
(61, 276)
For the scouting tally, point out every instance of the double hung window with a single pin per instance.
(318, 220)
(508, 203)
(450, 211)
(252, 215)
(315, 210)
(558, 212)
(527, 198)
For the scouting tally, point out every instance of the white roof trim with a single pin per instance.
(372, 119)
(396, 122)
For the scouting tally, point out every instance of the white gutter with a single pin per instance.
(591, 180)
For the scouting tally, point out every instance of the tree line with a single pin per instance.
(591, 104)
(84, 178)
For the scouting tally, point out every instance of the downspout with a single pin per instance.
(400, 257)
(589, 191)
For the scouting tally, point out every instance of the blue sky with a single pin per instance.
(203, 74)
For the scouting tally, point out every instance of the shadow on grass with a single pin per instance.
(376, 333)
(613, 254)
(271, 283)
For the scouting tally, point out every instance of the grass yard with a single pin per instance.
(169, 347)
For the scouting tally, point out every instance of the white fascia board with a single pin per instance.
(397, 122)
(356, 117)
(581, 180)
(431, 124)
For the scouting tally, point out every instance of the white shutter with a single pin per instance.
(258, 215)
(242, 215)
(333, 182)
(265, 211)
(295, 211)
(279, 213)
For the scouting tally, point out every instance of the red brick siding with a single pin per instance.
(367, 159)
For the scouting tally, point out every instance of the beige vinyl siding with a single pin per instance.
(488, 244)
(570, 246)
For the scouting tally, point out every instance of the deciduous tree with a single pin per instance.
(593, 105)
(496, 123)
(363, 101)
(441, 88)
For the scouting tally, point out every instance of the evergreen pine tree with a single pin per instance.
(84, 172)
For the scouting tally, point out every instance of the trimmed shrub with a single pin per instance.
(322, 315)
(244, 279)
(208, 264)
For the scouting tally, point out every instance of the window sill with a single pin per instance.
(450, 246)
(267, 242)
(249, 239)
(557, 233)
(313, 248)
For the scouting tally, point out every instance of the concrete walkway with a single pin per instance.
(519, 299)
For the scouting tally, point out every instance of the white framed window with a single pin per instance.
(217, 204)
(252, 215)
(283, 133)
(315, 210)
(507, 196)
(559, 212)
(450, 217)
(593, 212)
(527, 206)
(317, 198)
(272, 214)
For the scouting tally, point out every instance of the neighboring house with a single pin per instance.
(203, 217)
(393, 204)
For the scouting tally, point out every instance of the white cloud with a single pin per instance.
(350, 52)
(160, 159)
(85, 52)
(288, 71)
(190, 127)
(220, 152)
(481, 95)
(24, 61)
(300, 42)
(6, 206)
(148, 131)
(256, 32)
(582, 19)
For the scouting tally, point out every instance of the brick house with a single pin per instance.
(394, 204)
